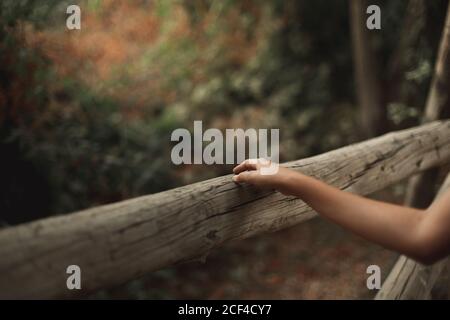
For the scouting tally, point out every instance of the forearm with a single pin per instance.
(391, 226)
(421, 234)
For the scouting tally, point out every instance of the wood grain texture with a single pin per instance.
(409, 279)
(119, 242)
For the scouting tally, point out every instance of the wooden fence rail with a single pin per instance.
(122, 241)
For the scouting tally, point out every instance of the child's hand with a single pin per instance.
(249, 171)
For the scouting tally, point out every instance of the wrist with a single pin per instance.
(290, 184)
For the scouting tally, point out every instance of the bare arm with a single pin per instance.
(423, 235)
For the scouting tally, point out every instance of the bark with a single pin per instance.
(115, 243)
(409, 279)
(420, 190)
(372, 109)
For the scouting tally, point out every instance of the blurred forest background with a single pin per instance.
(86, 117)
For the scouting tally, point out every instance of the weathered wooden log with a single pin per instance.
(122, 241)
(409, 279)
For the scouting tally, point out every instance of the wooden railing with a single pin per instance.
(119, 242)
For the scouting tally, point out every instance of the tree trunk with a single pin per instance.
(123, 241)
(372, 109)
(420, 190)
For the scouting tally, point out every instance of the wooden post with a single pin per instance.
(115, 243)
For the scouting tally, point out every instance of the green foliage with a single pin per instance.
(14, 11)
(262, 64)
(68, 148)
(92, 155)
